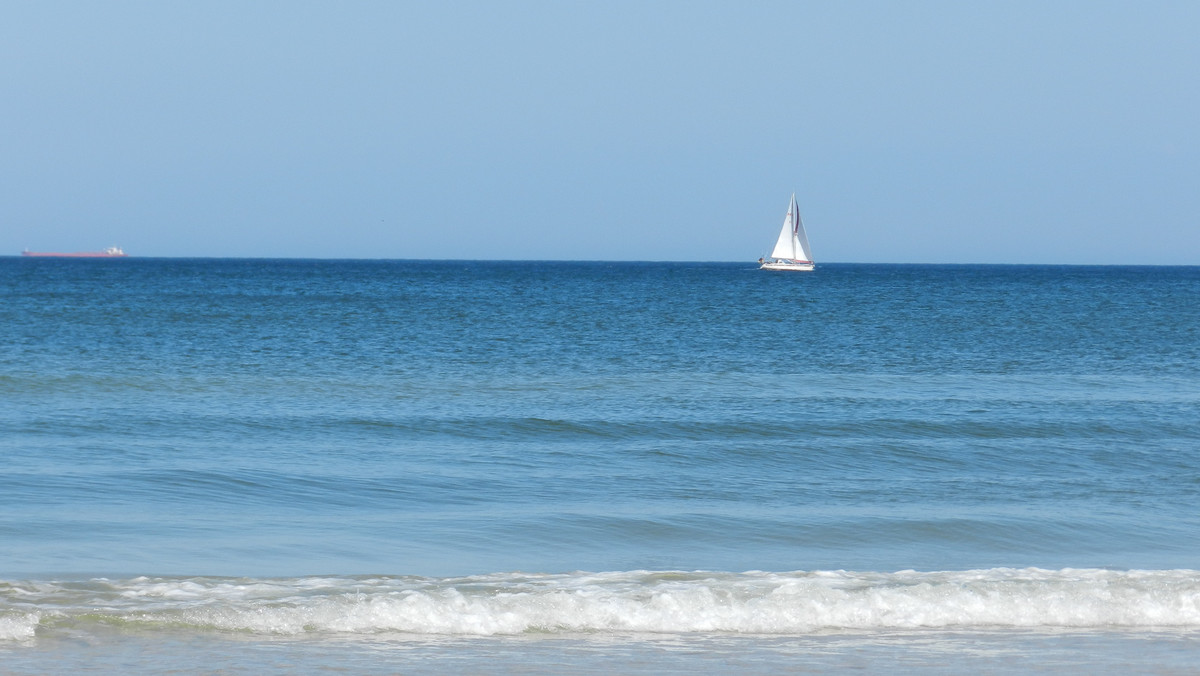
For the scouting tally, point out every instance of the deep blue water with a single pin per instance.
(338, 436)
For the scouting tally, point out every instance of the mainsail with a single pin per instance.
(792, 243)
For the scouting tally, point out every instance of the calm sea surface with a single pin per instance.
(278, 466)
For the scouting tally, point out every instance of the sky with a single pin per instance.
(1011, 131)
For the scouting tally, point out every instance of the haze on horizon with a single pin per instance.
(919, 132)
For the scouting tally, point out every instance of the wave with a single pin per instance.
(623, 602)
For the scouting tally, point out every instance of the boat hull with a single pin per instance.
(78, 254)
(794, 267)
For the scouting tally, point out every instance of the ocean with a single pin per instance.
(303, 466)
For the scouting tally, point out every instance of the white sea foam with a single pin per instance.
(632, 602)
(18, 626)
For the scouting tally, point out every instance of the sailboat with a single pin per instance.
(791, 250)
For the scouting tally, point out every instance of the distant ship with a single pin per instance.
(791, 250)
(110, 252)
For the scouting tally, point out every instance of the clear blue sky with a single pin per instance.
(992, 132)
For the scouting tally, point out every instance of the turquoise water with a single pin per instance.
(431, 466)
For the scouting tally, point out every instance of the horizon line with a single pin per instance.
(590, 260)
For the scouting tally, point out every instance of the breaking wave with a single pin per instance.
(620, 602)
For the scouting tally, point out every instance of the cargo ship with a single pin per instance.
(110, 252)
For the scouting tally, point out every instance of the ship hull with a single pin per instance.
(78, 254)
(798, 267)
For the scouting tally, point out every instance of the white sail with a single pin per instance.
(803, 253)
(783, 245)
(793, 242)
